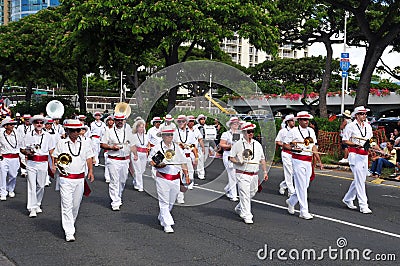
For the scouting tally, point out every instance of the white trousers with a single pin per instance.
(181, 195)
(248, 186)
(71, 192)
(230, 188)
(96, 149)
(139, 166)
(22, 158)
(8, 167)
(287, 183)
(359, 167)
(200, 165)
(106, 166)
(301, 175)
(118, 176)
(167, 191)
(37, 173)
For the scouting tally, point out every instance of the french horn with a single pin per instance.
(63, 162)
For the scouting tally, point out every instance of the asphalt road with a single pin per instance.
(206, 234)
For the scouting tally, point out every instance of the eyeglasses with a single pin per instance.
(168, 134)
(181, 121)
(362, 113)
(250, 131)
(303, 119)
(38, 122)
(118, 120)
(74, 130)
(157, 122)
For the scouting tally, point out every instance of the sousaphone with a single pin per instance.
(123, 108)
(55, 109)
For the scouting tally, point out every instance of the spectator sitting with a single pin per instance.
(387, 158)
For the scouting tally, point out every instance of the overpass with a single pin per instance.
(388, 105)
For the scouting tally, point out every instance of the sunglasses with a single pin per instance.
(250, 131)
(362, 113)
(118, 120)
(168, 134)
(157, 122)
(75, 130)
(38, 122)
(181, 121)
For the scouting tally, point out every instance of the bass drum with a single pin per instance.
(210, 132)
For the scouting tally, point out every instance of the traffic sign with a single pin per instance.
(344, 55)
(345, 74)
(344, 64)
(40, 92)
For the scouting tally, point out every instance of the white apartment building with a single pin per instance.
(245, 54)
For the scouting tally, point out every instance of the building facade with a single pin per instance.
(23, 8)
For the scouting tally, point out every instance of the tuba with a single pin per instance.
(122, 108)
(63, 162)
(55, 109)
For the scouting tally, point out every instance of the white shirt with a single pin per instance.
(9, 143)
(54, 135)
(97, 128)
(186, 136)
(118, 136)
(355, 130)
(179, 157)
(44, 140)
(152, 135)
(80, 151)
(258, 155)
(228, 137)
(59, 128)
(298, 134)
(22, 130)
(140, 140)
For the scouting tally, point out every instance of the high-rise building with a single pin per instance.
(4, 11)
(22, 8)
(245, 54)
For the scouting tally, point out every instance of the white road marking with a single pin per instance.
(318, 216)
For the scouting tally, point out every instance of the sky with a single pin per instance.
(357, 55)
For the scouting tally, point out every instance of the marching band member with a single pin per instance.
(118, 143)
(286, 156)
(56, 137)
(58, 127)
(355, 135)
(247, 155)
(186, 138)
(10, 143)
(110, 123)
(97, 129)
(82, 119)
(201, 121)
(228, 139)
(141, 143)
(168, 177)
(168, 119)
(22, 131)
(72, 181)
(154, 136)
(302, 162)
(200, 145)
(37, 146)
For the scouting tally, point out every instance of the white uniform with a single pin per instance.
(59, 129)
(286, 156)
(97, 130)
(140, 141)
(118, 161)
(9, 148)
(154, 136)
(230, 188)
(72, 186)
(247, 175)
(167, 182)
(37, 166)
(358, 160)
(56, 137)
(302, 166)
(202, 156)
(22, 131)
(187, 137)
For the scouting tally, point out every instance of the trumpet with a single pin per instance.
(63, 162)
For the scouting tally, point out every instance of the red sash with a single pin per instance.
(39, 158)
(74, 176)
(118, 158)
(246, 173)
(187, 155)
(287, 151)
(95, 136)
(358, 151)
(11, 155)
(305, 158)
(139, 149)
(168, 176)
(86, 187)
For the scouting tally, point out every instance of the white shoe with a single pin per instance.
(344, 160)
(96, 165)
(180, 201)
(281, 190)
(3, 198)
(369, 173)
(11, 194)
(47, 183)
(202, 177)
(306, 216)
(32, 214)
(108, 181)
(136, 187)
(248, 221)
(290, 207)
(39, 210)
(69, 238)
(115, 208)
(350, 204)
(234, 199)
(365, 210)
(237, 210)
(168, 229)
(140, 189)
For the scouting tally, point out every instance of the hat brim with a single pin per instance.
(8, 123)
(31, 120)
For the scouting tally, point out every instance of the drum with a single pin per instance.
(210, 132)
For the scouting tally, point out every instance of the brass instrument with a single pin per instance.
(169, 155)
(63, 162)
(373, 141)
(55, 109)
(247, 154)
(122, 108)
